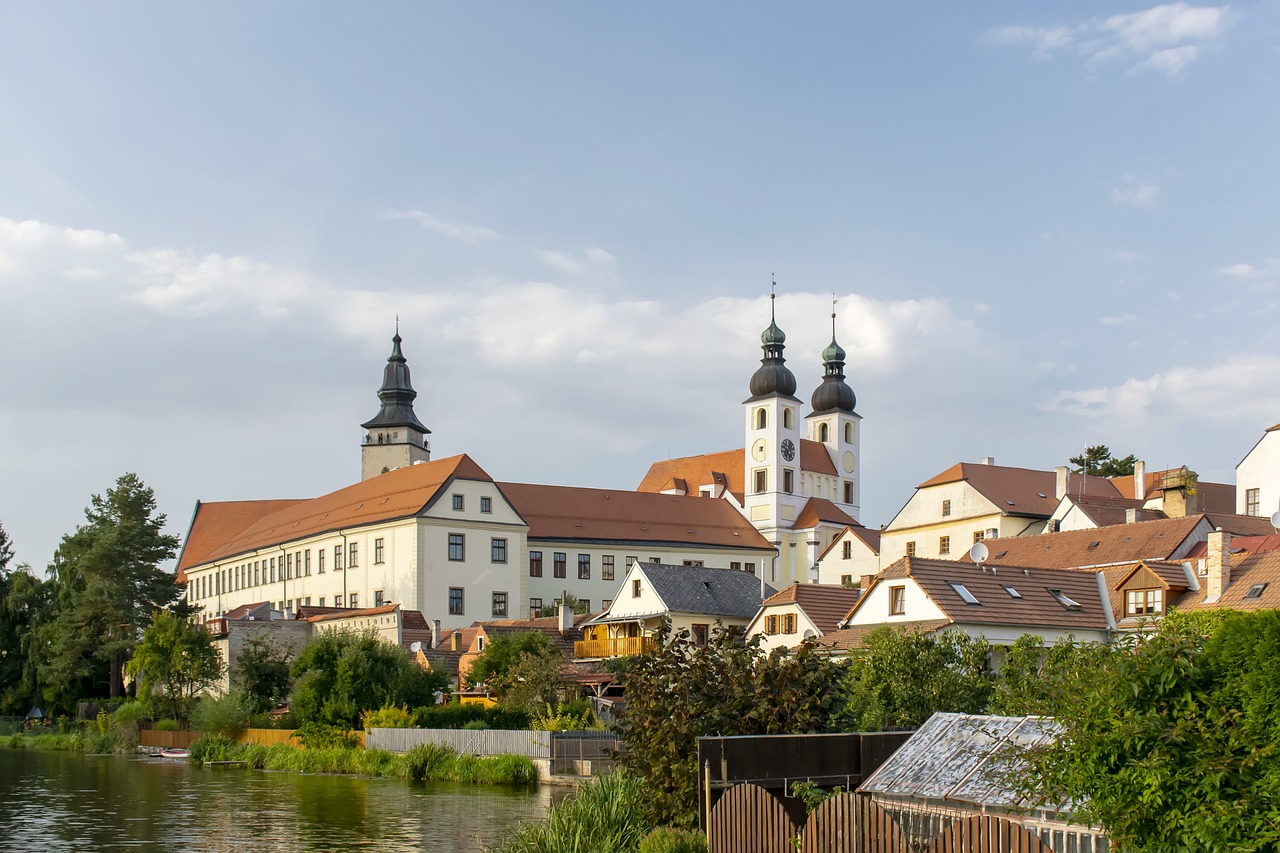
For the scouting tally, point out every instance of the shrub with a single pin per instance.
(94, 743)
(476, 726)
(224, 715)
(389, 717)
(274, 721)
(319, 736)
(426, 760)
(603, 817)
(566, 718)
(165, 725)
(455, 715)
(666, 839)
(213, 747)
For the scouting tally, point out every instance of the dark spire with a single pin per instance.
(397, 394)
(833, 395)
(773, 377)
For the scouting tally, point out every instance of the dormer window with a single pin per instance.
(1256, 590)
(1063, 599)
(1143, 602)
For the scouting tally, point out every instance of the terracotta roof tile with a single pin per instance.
(570, 512)
(350, 613)
(548, 625)
(1020, 491)
(818, 510)
(814, 457)
(1105, 511)
(1253, 570)
(1070, 549)
(400, 493)
(852, 637)
(824, 604)
(1241, 525)
(726, 468)
(217, 522)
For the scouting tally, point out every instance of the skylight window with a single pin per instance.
(1256, 590)
(1013, 593)
(963, 592)
(1063, 599)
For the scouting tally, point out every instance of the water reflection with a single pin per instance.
(65, 801)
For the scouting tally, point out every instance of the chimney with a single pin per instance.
(455, 642)
(1140, 480)
(435, 633)
(1130, 515)
(1217, 563)
(1060, 482)
(864, 582)
(988, 460)
(566, 618)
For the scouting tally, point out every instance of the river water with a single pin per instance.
(69, 801)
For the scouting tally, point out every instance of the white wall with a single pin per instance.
(1260, 469)
(873, 608)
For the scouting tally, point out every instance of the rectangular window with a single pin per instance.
(606, 567)
(944, 544)
(498, 550)
(978, 536)
(631, 561)
(500, 604)
(911, 549)
(584, 567)
(946, 508)
(322, 601)
(458, 503)
(586, 604)
(788, 480)
(352, 562)
(379, 550)
(771, 625)
(455, 601)
(762, 481)
(606, 604)
(297, 563)
(319, 561)
(749, 567)
(736, 566)
(337, 557)
(788, 623)
(535, 564)
(1252, 502)
(694, 563)
(486, 505)
(306, 562)
(963, 591)
(897, 600)
(848, 492)
(635, 588)
(846, 580)
(378, 599)
(701, 633)
(337, 601)
(255, 573)
(288, 565)
(846, 550)
(457, 547)
(1143, 602)
(559, 560)
(272, 563)
(535, 608)
(353, 601)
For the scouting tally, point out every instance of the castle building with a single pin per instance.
(798, 485)
(442, 537)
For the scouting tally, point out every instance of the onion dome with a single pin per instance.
(833, 395)
(397, 394)
(773, 377)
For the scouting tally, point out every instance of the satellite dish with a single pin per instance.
(415, 647)
(809, 634)
(978, 553)
(1275, 520)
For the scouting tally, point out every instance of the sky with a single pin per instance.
(1045, 225)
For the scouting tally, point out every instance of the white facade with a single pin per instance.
(782, 626)
(837, 432)
(847, 560)
(1258, 477)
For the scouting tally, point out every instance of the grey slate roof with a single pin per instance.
(715, 592)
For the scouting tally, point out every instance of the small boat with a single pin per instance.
(175, 753)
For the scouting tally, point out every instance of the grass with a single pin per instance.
(603, 817)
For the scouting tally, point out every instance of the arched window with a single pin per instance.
(824, 433)
(762, 418)
(848, 433)
(787, 422)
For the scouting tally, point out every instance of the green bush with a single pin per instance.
(667, 839)
(455, 715)
(389, 717)
(603, 817)
(476, 726)
(567, 717)
(225, 715)
(94, 743)
(274, 721)
(320, 736)
(212, 747)
(165, 726)
(427, 760)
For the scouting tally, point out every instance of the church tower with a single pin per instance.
(394, 437)
(772, 461)
(834, 424)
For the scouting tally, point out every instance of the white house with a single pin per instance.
(1258, 476)
(799, 612)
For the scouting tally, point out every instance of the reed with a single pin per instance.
(603, 817)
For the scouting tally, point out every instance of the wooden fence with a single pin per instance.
(464, 741)
(750, 819)
(167, 740)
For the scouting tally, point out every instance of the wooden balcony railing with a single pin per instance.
(617, 647)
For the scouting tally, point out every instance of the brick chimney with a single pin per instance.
(1140, 480)
(1060, 482)
(865, 581)
(435, 633)
(1217, 564)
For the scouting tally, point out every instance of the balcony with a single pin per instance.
(613, 648)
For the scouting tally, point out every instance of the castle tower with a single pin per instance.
(834, 424)
(394, 437)
(772, 461)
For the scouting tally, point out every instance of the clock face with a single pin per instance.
(788, 450)
(757, 450)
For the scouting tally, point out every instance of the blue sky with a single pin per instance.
(1048, 225)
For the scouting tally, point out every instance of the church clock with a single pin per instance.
(788, 449)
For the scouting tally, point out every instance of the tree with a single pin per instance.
(553, 609)
(683, 691)
(340, 674)
(1172, 742)
(504, 651)
(898, 679)
(263, 670)
(1096, 461)
(174, 662)
(24, 601)
(109, 584)
(532, 682)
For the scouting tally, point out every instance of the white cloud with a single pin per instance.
(1127, 255)
(1165, 38)
(1134, 193)
(454, 230)
(1241, 387)
(593, 258)
(1240, 271)
(1124, 320)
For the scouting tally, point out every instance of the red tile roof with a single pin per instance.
(824, 604)
(1070, 549)
(349, 613)
(216, 534)
(1241, 525)
(698, 471)
(570, 512)
(818, 510)
(1247, 572)
(853, 636)
(1019, 491)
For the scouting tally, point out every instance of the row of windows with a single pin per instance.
(498, 604)
(460, 504)
(788, 422)
(286, 605)
(944, 544)
(269, 570)
(782, 623)
(789, 483)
